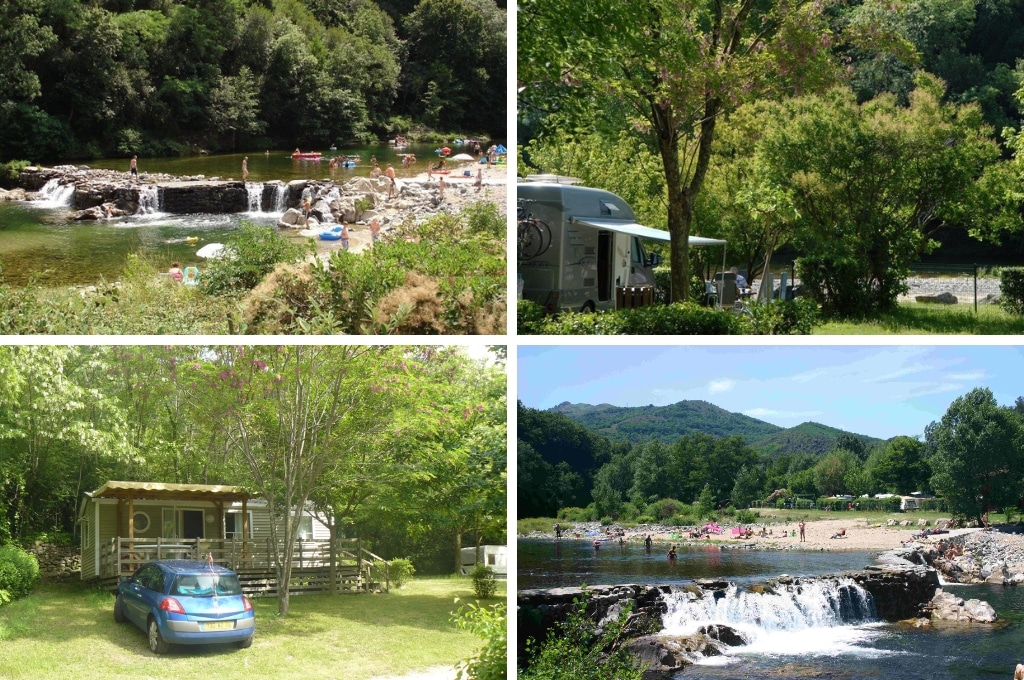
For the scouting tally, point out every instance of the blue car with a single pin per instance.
(186, 602)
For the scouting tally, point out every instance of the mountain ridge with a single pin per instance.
(668, 423)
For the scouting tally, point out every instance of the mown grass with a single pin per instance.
(67, 631)
(913, 318)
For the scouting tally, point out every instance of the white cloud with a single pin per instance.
(781, 415)
(721, 385)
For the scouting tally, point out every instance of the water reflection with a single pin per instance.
(552, 564)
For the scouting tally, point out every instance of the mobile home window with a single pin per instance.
(305, 528)
(86, 533)
(233, 524)
(141, 521)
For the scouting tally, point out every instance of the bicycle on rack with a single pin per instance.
(533, 235)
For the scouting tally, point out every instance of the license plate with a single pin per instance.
(219, 625)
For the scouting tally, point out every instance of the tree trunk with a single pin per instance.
(458, 551)
(332, 546)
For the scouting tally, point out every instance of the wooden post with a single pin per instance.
(131, 517)
(245, 527)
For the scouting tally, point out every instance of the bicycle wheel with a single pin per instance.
(531, 240)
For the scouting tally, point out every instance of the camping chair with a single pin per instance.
(191, 276)
(726, 288)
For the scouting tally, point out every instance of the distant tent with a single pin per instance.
(501, 149)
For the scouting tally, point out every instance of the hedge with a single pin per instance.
(18, 572)
(1011, 287)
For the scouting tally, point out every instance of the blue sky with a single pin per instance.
(881, 391)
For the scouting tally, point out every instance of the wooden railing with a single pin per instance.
(121, 556)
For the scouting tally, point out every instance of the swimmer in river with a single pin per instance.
(672, 553)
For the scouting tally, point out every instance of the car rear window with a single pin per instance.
(206, 585)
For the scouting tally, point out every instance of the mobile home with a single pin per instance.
(577, 244)
(124, 524)
(493, 556)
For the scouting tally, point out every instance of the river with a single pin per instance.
(38, 243)
(794, 636)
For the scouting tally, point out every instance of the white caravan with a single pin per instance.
(576, 244)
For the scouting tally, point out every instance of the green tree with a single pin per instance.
(833, 472)
(294, 409)
(705, 502)
(873, 182)
(748, 486)
(979, 458)
(901, 468)
(234, 106)
(677, 69)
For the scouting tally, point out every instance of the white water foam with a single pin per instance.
(149, 200)
(56, 195)
(281, 198)
(816, 618)
(254, 190)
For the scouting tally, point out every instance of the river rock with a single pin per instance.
(661, 656)
(724, 634)
(17, 194)
(948, 607)
(292, 219)
(945, 298)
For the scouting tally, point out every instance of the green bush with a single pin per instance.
(578, 648)
(785, 317)
(530, 317)
(664, 508)
(683, 519)
(728, 511)
(645, 519)
(841, 285)
(578, 514)
(10, 173)
(674, 319)
(251, 253)
(1011, 287)
(18, 572)
(400, 571)
(606, 520)
(490, 624)
(747, 516)
(484, 584)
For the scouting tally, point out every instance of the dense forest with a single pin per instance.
(152, 77)
(637, 424)
(855, 136)
(403, 447)
(973, 457)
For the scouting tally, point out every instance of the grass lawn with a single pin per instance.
(66, 631)
(911, 318)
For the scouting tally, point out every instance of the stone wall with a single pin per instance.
(56, 561)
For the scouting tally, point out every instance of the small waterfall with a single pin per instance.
(281, 198)
(149, 199)
(824, 603)
(255, 194)
(56, 195)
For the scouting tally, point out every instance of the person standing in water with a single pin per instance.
(647, 543)
(133, 168)
(245, 168)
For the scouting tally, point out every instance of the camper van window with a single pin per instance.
(608, 208)
(637, 253)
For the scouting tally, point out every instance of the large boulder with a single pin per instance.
(946, 298)
(662, 656)
(292, 219)
(948, 607)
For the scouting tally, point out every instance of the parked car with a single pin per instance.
(186, 602)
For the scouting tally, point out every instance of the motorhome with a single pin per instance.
(577, 244)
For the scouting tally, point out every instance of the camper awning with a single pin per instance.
(634, 229)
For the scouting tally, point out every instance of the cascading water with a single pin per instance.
(826, 616)
(149, 200)
(281, 198)
(255, 194)
(56, 195)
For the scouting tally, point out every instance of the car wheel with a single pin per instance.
(119, 610)
(588, 307)
(157, 644)
(246, 643)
